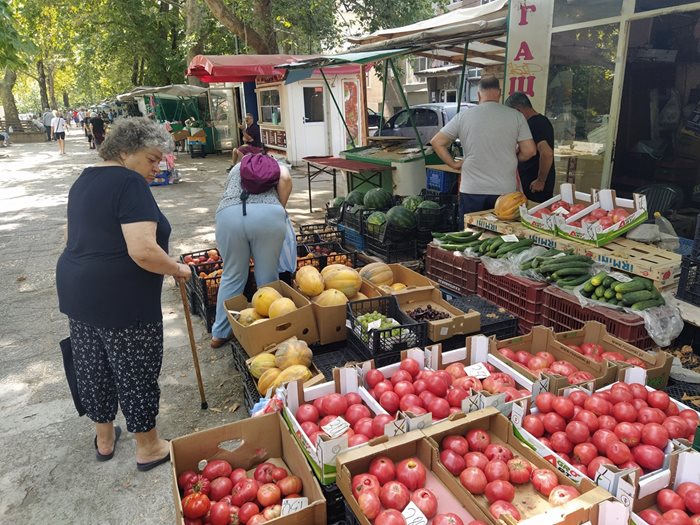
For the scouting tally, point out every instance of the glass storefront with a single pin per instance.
(568, 12)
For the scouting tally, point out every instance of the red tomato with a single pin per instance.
(368, 482)
(507, 353)
(419, 386)
(353, 398)
(257, 519)
(269, 494)
(381, 387)
(390, 402)
(356, 412)
(370, 505)
(411, 473)
(473, 479)
(456, 370)
(589, 419)
(379, 424)
(578, 397)
(307, 412)
(504, 508)
(577, 432)
(409, 401)
(621, 392)
(639, 391)
(533, 425)
(523, 357)
(494, 451)
(195, 505)
(357, 439)
(437, 386)
(692, 501)
(519, 471)
(220, 513)
(220, 487)
(655, 435)
(562, 494)
(457, 443)
(244, 491)
(691, 416)
(563, 406)
(695, 519)
(602, 438)
(411, 366)
(238, 474)
(607, 422)
(394, 495)
(595, 464)
(650, 516)
(628, 434)
(584, 453)
(217, 468)
(683, 488)
(478, 440)
(326, 420)
(537, 363)
(439, 407)
(544, 402)
(553, 422)
(648, 456)
(476, 459)
(290, 485)
(390, 517)
(334, 405)
(667, 499)
(658, 399)
(544, 481)
(624, 411)
(247, 511)
(468, 383)
(426, 501)
(579, 377)
(676, 426)
(499, 490)
(597, 405)
(618, 452)
(186, 479)
(497, 469)
(674, 517)
(281, 473)
(560, 443)
(383, 469)
(403, 388)
(446, 519)
(638, 404)
(454, 463)
(318, 405)
(650, 415)
(426, 397)
(563, 368)
(364, 426)
(672, 410)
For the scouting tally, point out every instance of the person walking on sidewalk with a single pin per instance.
(109, 281)
(46, 119)
(58, 129)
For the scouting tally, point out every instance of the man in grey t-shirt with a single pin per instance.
(494, 138)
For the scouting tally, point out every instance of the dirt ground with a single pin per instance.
(48, 470)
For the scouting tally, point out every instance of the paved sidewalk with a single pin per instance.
(48, 470)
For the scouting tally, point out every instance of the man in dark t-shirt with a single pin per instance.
(251, 138)
(536, 174)
(97, 126)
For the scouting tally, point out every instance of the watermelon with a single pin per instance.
(378, 199)
(430, 205)
(357, 209)
(428, 214)
(375, 221)
(402, 218)
(355, 197)
(338, 201)
(412, 202)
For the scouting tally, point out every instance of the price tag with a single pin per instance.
(290, 505)
(620, 277)
(490, 217)
(477, 370)
(562, 254)
(413, 515)
(510, 238)
(336, 428)
(348, 324)
(374, 325)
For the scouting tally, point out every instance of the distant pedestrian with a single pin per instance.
(88, 132)
(97, 127)
(81, 117)
(58, 128)
(46, 119)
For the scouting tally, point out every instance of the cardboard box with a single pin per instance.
(658, 364)
(412, 280)
(594, 504)
(255, 338)
(179, 135)
(543, 339)
(547, 222)
(459, 322)
(246, 444)
(688, 144)
(411, 445)
(594, 233)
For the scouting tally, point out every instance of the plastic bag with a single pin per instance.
(670, 114)
(668, 240)
(510, 264)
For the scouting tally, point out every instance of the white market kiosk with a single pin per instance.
(296, 118)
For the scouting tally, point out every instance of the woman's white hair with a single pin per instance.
(134, 134)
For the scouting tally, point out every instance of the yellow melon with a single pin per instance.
(248, 316)
(261, 363)
(377, 273)
(331, 268)
(309, 281)
(292, 352)
(507, 206)
(398, 286)
(293, 373)
(268, 379)
(359, 296)
(263, 298)
(343, 279)
(330, 297)
(281, 306)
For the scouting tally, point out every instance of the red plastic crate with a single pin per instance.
(520, 296)
(455, 273)
(563, 312)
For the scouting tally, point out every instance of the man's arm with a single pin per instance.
(440, 142)
(546, 161)
(526, 150)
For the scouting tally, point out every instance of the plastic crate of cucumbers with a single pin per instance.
(472, 243)
(382, 327)
(619, 290)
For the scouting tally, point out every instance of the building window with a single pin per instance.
(270, 107)
(568, 12)
(650, 5)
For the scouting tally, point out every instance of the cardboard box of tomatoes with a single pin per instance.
(256, 337)
(543, 217)
(254, 465)
(548, 363)
(503, 476)
(604, 220)
(593, 341)
(399, 480)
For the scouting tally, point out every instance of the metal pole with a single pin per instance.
(463, 77)
(352, 140)
(384, 80)
(405, 104)
(363, 105)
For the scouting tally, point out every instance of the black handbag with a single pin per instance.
(67, 351)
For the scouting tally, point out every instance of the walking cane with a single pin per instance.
(193, 346)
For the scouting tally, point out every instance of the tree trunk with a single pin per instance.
(142, 70)
(135, 72)
(194, 29)
(66, 101)
(52, 92)
(41, 79)
(8, 99)
(263, 42)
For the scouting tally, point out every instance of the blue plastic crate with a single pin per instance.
(438, 180)
(686, 246)
(352, 237)
(162, 179)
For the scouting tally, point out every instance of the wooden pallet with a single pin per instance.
(486, 220)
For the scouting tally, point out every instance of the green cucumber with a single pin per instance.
(631, 298)
(613, 301)
(551, 268)
(619, 296)
(572, 281)
(600, 291)
(635, 285)
(608, 281)
(454, 247)
(496, 244)
(598, 279)
(571, 259)
(564, 272)
(437, 235)
(588, 287)
(643, 305)
(510, 246)
(609, 294)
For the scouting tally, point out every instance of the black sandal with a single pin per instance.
(107, 457)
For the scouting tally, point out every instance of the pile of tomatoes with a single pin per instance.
(363, 424)
(598, 354)
(440, 392)
(387, 488)
(491, 469)
(546, 362)
(626, 426)
(676, 505)
(222, 495)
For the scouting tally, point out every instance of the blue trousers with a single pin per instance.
(260, 234)
(472, 202)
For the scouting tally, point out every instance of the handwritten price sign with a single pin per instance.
(413, 515)
(336, 428)
(290, 505)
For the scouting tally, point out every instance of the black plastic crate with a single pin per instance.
(205, 294)
(197, 269)
(337, 358)
(384, 345)
(354, 219)
(350, 518)
(689, 283)
(439, 197)
(335, 503)
(340, 255)
(495, 320)
(392, 252)
(332, 213)
(429, 218)
(250, 390)
(388, 232)
(677, 389)
(304, 238)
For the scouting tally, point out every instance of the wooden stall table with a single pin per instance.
(364, 172)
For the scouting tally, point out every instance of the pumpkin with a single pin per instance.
(267, 380)
(377, 273)
(331, 268)
(293, 373)
(292, 352)
(248, 316)
(359, 296)
(263, 298)
(343, 279)
(281, 306)
(309, 281)
(261, 363)
(386, 290)
(330, 297)
(507, 206)
(398, 286)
